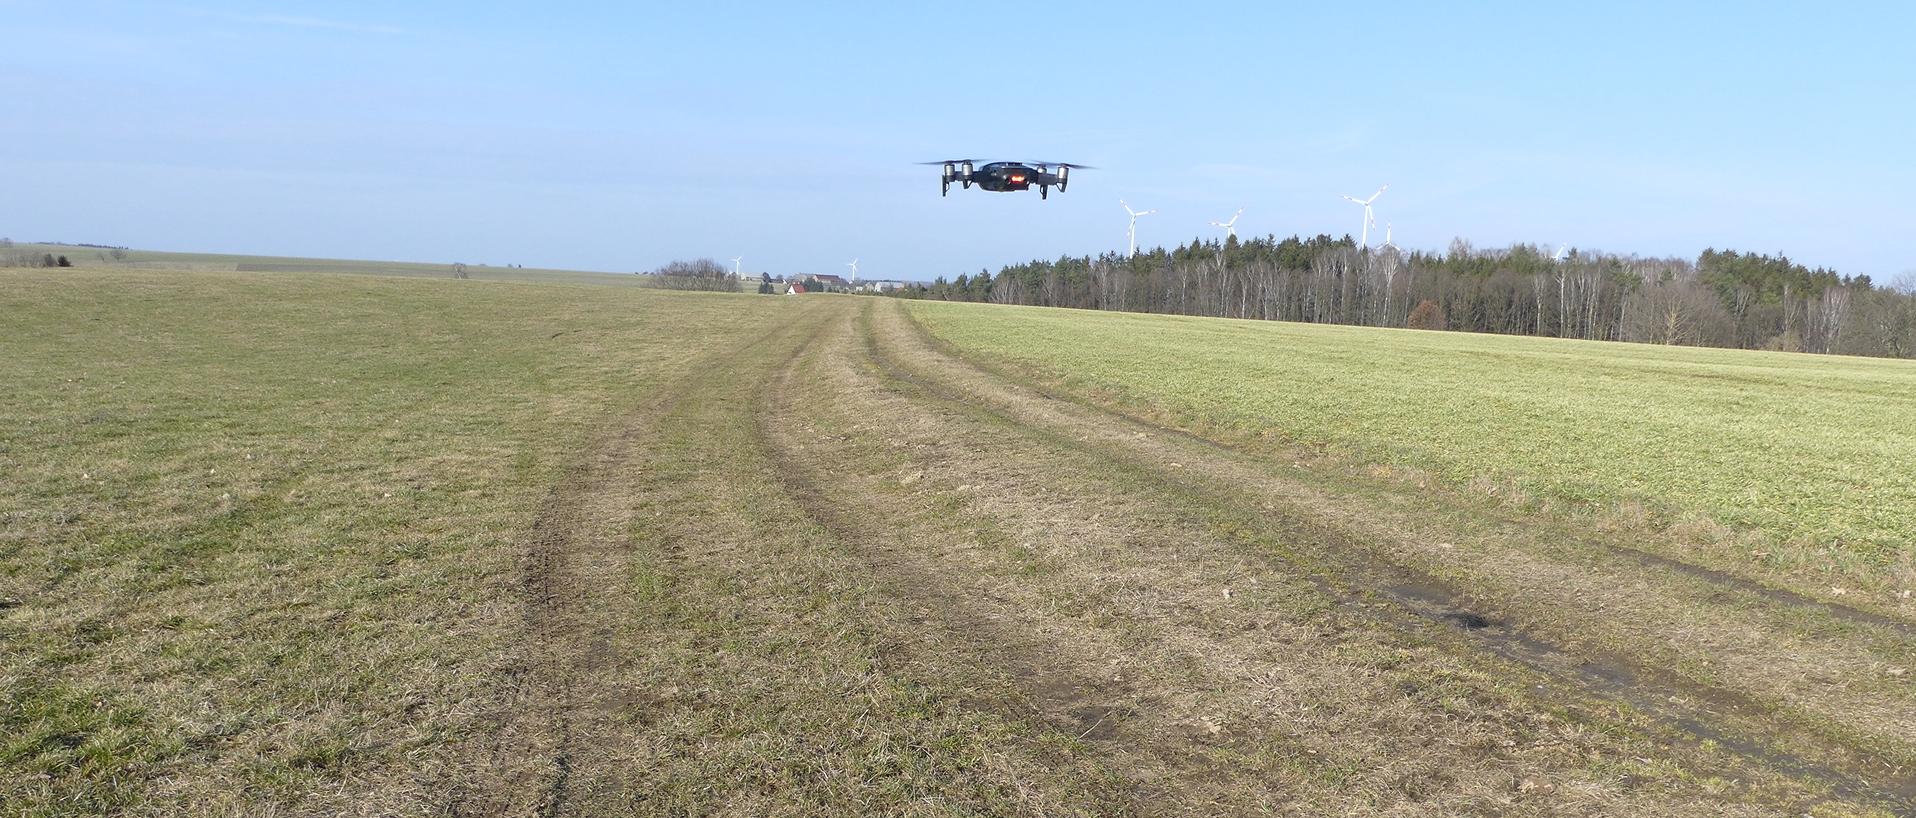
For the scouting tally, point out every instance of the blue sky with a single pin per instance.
(619, 137)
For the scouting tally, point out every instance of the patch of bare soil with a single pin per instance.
(1784, 683)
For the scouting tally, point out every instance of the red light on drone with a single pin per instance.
(1017, 178)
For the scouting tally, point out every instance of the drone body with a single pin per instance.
(1004, 177)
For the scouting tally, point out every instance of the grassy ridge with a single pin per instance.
(259, 535)
(1805, 449)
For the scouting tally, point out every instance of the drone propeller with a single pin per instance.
(950, 161)
(1062, 165)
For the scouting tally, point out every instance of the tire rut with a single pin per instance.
(1057, 691)
(1724, 579)
(573, 556)
(1806, 671)
(1206, 653)
(1352, 574)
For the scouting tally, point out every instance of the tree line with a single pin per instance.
(1723, 298)
(12, 256)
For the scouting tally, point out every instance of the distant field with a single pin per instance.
(159, 260)
(1816, 451)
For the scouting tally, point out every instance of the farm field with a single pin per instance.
(1810, 453)
(327, 544)
(100, 257)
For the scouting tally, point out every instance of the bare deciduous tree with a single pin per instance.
(700, 274)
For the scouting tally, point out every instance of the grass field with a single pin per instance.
(99, 257)
(326, 544)
(262, 531)
(1814, 452)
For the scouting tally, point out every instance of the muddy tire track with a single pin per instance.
(1355, 575)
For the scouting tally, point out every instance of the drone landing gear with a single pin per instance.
(1044, 191)
(945, 189)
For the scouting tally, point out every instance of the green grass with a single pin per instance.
(159, 260)
(1807, 450)
(260, 534)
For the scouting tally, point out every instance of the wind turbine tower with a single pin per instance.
(1230, 227)
(854, 266)
(1131, 233)
(1387, 241)
(1370, 219)
(735, 261)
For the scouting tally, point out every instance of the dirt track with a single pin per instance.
(842, 570)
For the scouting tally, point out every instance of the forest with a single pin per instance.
(1723, 298)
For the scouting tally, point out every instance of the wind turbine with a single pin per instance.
(1370, 219)
(1230, 227)
(1559, 255)
(1131, 233)
(854, 266)
(735, 261)
(1387, 242)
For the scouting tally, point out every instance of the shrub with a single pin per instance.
(1427, 315)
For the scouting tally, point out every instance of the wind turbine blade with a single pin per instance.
(1354, 200)
(1380, 192)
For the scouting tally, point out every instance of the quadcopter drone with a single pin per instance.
(1006, 176)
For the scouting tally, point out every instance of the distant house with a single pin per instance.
(832, 280)
(796, 289)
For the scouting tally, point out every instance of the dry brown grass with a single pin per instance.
(1766, 663)
(359, 546)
